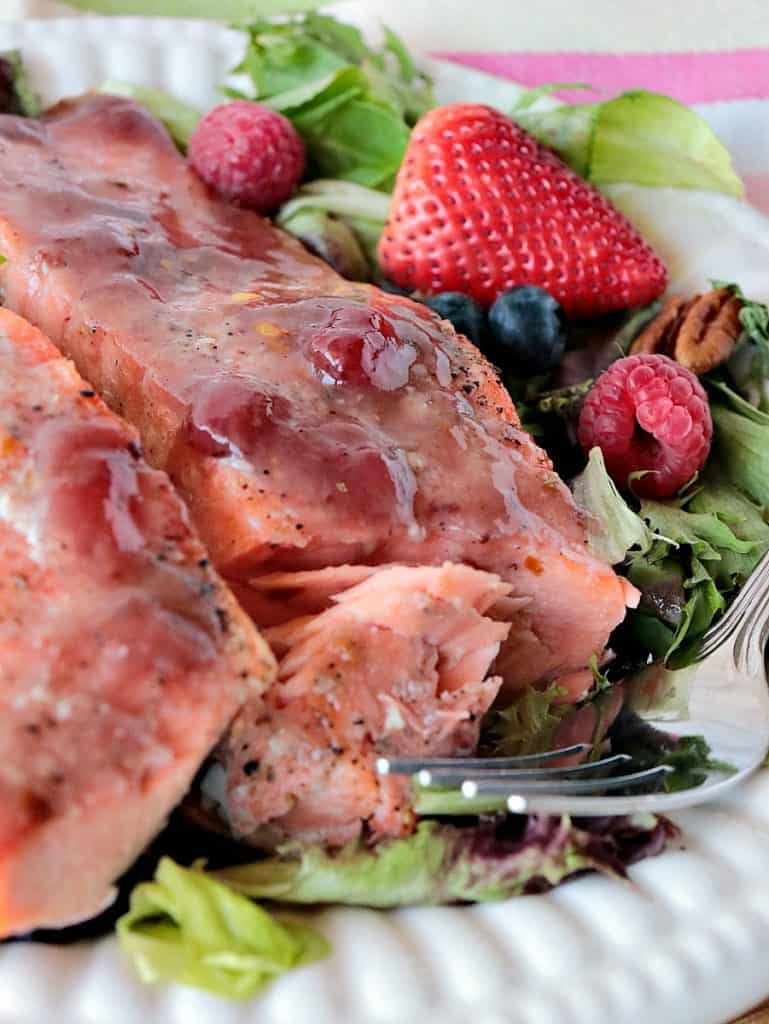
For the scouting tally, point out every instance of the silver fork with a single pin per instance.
(728, 705)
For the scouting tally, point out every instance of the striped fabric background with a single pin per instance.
(729, 88)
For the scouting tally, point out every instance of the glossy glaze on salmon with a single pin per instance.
(398, 664)
(122, 654)
(308, 421)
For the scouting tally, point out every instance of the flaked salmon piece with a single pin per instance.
(308, 421)
(280, 597)
(123, 656)
(398, 664)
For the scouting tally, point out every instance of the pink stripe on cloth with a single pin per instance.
(689, 77)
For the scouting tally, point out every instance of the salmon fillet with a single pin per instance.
(308, 421)
(396, 665)
(123, 656)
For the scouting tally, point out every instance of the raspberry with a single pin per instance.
(249, 154)
(648, 413)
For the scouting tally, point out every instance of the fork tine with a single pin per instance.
(755, 586)
(457, 774)
(559, 787)
(728, 626)
(412, 765)
(712, 644)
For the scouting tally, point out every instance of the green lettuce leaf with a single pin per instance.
(741, 444)
(613, 528)
(640, 137)
(528, 723)
(702, 607)
(353, 105)
(706, 533)
(441, 863)
(748, 365)
(335, 140)
(180, 118)
(746, 521)
(706, 546)
(317, 100)
(281, 58)
(187, 927)
(691, 761)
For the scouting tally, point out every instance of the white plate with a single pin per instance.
(686, 943)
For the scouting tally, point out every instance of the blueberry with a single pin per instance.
(528, 329)
(465, 314)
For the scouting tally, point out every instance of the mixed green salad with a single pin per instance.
(354, 106)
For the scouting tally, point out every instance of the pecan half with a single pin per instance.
(660, 335)
(698, 333)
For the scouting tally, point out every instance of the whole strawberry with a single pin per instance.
(480, 206)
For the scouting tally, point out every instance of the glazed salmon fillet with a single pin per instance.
(308, 421)
(123, 656)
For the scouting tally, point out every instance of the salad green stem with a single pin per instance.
(344, 198)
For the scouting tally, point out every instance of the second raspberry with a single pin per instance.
(649, 416)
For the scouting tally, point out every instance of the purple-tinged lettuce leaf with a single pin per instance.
(442, 863)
